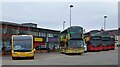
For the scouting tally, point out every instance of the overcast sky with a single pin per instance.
(51, 15)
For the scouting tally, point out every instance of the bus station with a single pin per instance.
(51, 43)
(59, 34)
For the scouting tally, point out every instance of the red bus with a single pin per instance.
(93, 40)
(106, 39)
(112, 42)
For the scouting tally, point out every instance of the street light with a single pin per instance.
(70, 14)
(105, 16)
(63, 25)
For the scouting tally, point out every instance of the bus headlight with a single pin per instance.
(14, 53)
(30, 53)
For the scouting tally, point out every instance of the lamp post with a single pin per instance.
(70, 14)
(63, 25)
(105, 16)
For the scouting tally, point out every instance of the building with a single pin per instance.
(29, 25)
(44, 39)
(116, 32)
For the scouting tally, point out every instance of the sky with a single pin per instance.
(50, 15)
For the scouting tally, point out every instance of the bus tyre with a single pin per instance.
(113, 48)
(61, 52)
(85, 51)
(67, 53)
(32, 57)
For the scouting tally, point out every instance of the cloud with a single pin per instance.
(60, 0)
(119, 14)
(51, 15)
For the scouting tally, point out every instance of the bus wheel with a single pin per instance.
(14, 58)
(113, 48)
(66, 53)
(62, 53)
(85, 51)
(32, 57)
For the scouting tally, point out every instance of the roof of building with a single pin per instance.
(28, 23)
(115, 31)
(16, 24)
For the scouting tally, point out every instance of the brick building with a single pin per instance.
(43, 38)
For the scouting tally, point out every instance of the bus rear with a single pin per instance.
(106, 40)
(22, 46)
(112, 42)
(93, 40)
(95, 43)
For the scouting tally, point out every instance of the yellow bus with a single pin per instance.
(72, 40)
(22, 46)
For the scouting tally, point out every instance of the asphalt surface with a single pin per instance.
(56, 58)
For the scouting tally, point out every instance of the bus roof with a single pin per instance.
(22, 36)
(70, 28)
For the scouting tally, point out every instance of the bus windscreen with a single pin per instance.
(22, 44)
(106, 39)
(96, 38)
(75, 43)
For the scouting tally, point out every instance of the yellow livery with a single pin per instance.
(22, 46)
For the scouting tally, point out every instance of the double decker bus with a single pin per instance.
(106, 38)
(22, 46)
(93, 40)
(72, 40)
(112, 42)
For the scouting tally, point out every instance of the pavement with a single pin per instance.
(55, 58)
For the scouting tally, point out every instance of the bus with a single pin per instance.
(112, 42)
(105, 35)
(93, 40)
(72, 40)
(117, 41)
(22, 46)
